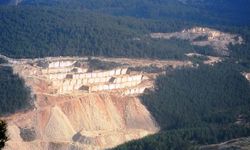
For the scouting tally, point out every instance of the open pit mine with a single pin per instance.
(76, 107)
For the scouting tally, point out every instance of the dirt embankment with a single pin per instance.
(99, 121)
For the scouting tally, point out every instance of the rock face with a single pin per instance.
(104, 120)
(97, 118)
(80, 119)
(248, 76)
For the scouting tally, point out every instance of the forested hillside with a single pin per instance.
(14, 95)
(38, 32)
(210, 12)
(57, 28)
(197, 93)
(29, 31)
(198, 106)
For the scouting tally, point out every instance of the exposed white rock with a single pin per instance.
(136, 90)
(68, 79)
(57, 64)
(247, 75)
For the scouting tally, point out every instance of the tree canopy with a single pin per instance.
(3, 133)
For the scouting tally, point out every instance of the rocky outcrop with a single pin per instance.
(247, 75)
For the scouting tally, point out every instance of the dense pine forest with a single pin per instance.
(38, 32)
(212, 12)
(3, 133)
(14, 95)
(50, 29)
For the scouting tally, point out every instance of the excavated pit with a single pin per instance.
(80, 109)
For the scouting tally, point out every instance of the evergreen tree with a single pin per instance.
(3, 133)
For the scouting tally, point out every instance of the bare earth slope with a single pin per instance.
(81, 109)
